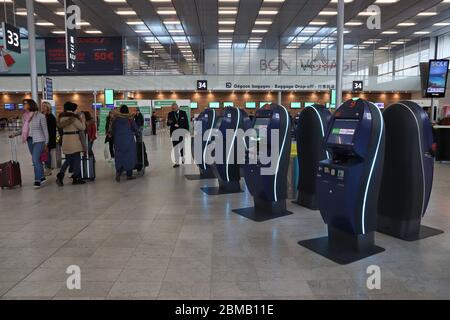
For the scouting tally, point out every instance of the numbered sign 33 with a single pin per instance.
(202, 85)
(358, 86)
(11, 38)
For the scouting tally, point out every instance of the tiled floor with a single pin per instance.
(160, 237)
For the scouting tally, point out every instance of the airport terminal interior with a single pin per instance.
(224, 150)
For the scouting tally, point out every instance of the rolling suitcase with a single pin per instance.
(87, 168)
(10, 175)
(142, 158)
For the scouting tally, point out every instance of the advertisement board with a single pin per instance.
(95, 56)
(437, 78)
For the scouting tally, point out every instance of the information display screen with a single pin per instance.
(10, 106)
(343, 131)
(250, 105)
(214, 105)
(109, 96)
(228, 104)
(262, 104)
(437, 79)
(97, 106)
(194, 105)
(309, 104)
(296, 105)
(20, 106)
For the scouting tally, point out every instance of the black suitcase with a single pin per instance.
(88, 168)
(142, 158)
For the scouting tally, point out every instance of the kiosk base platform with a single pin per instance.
(264, 210)
(343, 248)
(406, 230)
(223, 188)
(204, 175)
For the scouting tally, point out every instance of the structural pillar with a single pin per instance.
(279, 98)
(340, 51)
(32, 49)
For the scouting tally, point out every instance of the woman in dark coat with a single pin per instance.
(124, 130)
(51, 126)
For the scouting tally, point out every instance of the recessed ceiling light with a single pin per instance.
(44, 23)
(263, 22)
(165, 12)
(259, 30)
(406, 24)
(389, 32)
(318, 23)
(58, 32)
(427, 14)
(442, 24)
(268, 12)
(226, 30)
(227, 22)
(93, 31)
(422, 32)
(135, 22)
(225, 11)
(354, 23)
(328, 13)
(386, 1)
(126, 12)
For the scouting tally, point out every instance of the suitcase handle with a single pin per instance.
(13, 146)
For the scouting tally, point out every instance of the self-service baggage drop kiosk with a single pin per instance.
(348, 184)
(227, 170)
(205, 122)
(312, 125)
(408, 172)
(267, 182)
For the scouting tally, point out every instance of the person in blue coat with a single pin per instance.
(124, 130)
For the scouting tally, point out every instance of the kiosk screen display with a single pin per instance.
(262, 104)
(10, 106)
(214, 105)
(228, 104)
(250, 105)
(343, 131)
(261, 128)
(194, 105)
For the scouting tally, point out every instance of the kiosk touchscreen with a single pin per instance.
(204, 123)
(310, 133)
(348, 183)
(227, 168)
(265, 170)
(408, 172)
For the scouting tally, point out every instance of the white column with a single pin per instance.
(32, 49)
(340, 51)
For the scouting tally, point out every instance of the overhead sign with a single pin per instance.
(202, 85)
(71, 37)
(11, 37)
(95, 56)
(358, 86)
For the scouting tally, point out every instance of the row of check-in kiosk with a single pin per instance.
(366, 171)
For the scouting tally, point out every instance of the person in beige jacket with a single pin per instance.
(71, 126)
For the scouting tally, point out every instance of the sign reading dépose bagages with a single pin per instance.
(72, 16)
(11, 37)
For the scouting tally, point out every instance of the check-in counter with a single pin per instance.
(442, 135)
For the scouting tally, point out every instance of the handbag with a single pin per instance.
(44, 156)
(9, 60)
(3, 66)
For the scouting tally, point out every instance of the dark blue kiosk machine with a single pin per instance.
(408, 172)
(348, 184)
(205, 122)
(312, 125)
(266, 173)
(227, 170)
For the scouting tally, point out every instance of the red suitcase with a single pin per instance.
(10, 175)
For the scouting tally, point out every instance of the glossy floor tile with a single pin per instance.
(161, 237)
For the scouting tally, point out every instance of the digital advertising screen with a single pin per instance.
(214, 105)
(296, 105)
(194, 105)
(95, 56)
(250, 105)
(343, 131)
(437, 78)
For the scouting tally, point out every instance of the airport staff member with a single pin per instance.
(177, 119)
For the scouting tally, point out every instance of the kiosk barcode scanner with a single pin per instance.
(408, 172)
(311, 129)
(227, 171)
(208, 119)
(348, 184)
(269, 191)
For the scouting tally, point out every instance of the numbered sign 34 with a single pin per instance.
(358, 86)
(11, 38)
(202, 85)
